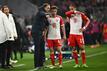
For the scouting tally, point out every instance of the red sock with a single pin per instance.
(83, 57)
(52, 59)
(60, 58)
(75, 57)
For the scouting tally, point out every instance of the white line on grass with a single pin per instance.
(19, 65)
(104, 52)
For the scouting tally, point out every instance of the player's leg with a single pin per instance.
(50, 45)
(83, 55)
(80, 41)
(58, 45)
(75, 56)
(52, 56)
(72, 43)
(59, 56)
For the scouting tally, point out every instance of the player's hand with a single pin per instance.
(81, 30)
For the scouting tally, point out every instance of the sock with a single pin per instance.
(52, 59)
(60, 58)
(75, 55)
(83, 57)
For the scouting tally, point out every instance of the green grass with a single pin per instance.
(97, 62)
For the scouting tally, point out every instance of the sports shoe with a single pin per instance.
(76, 66)
(60, 66)
(52, 67)
(37, 68)
(84, 66)
(13, 61)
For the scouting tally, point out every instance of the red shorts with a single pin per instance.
(75, 40)
(54, 43)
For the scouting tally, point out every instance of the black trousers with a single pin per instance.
(9, 51)
(6, 49)
(17, 47)
(39, 53)
(2, 54)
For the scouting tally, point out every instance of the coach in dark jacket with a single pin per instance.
(39, 27)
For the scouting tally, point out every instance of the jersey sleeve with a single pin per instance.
(85, 19)
(61, 21)
(69, 13)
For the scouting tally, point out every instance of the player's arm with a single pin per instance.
(69, 13)
(86, 22)
(44, 33)
(63, 28)
(45, 30)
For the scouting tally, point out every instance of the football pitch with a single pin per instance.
(96, 60)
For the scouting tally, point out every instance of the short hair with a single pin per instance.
(4, 6)
(45, 4)
(73, 5)
(54, 7)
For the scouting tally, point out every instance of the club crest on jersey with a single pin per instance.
(54, 25)
(57, 20)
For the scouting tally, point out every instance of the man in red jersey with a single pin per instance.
(76, 19)
(54, 35)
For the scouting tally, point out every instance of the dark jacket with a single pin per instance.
(39, 22)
